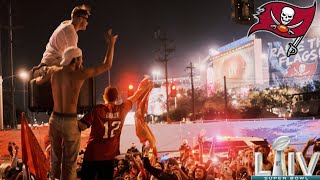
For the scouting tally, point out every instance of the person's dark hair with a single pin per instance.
(110, 94)
(316, 147)
(205, 174)
(14, 172)
(161, 164)
(172, 161)
(266, 147)
(125, 164)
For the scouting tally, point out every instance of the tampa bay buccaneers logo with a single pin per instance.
(284, 20)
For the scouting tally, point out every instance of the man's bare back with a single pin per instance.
(65, 90)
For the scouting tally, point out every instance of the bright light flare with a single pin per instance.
(23, 75)
(200, 66)
(215, 160)
(264, 56)
(213, 52)
(220, 138)
(156, 72)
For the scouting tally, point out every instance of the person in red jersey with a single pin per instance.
(106, 122)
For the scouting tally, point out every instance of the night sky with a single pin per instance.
(195, 26)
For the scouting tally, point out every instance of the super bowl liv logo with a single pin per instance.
(279, 166)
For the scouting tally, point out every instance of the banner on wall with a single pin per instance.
(299, 69)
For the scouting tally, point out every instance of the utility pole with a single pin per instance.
(1, 50)
(192, 90)
(225, 97)
(11, 64)
(10, 28)
(166, 48)
(1, 93)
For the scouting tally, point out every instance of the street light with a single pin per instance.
(130, 90)
(155, 75)
(24, 76)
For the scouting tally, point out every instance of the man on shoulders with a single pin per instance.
(66, 82)
(63, 37)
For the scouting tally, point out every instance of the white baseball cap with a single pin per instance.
(70, 53)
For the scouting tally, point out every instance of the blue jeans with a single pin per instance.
(65, 143)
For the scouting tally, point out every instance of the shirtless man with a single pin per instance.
(66, 82)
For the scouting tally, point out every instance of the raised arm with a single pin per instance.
(107, 63)
(306, 147)
(144, 86)
(15, 157)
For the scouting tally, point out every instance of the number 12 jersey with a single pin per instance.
(106, 121)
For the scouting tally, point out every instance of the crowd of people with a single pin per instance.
(238, 165)
(142, 165)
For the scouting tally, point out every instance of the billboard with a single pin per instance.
(237, 65)
(299, 69)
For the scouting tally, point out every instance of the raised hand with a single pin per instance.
(146, 151)
(145, 82)
(311, 141)
(110, 38)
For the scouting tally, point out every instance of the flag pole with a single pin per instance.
(293, 47)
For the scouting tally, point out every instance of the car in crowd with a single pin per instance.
(220, 147)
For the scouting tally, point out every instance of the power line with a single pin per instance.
(166, 49)
(192, 89)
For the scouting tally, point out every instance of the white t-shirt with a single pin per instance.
(63, 37)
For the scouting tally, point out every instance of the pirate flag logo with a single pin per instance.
(284, 20)
(301, 71)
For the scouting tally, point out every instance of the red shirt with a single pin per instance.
(106, 123)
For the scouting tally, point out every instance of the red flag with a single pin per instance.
(143, 131)
(284, 19)
(32, 154)
(302, 71)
